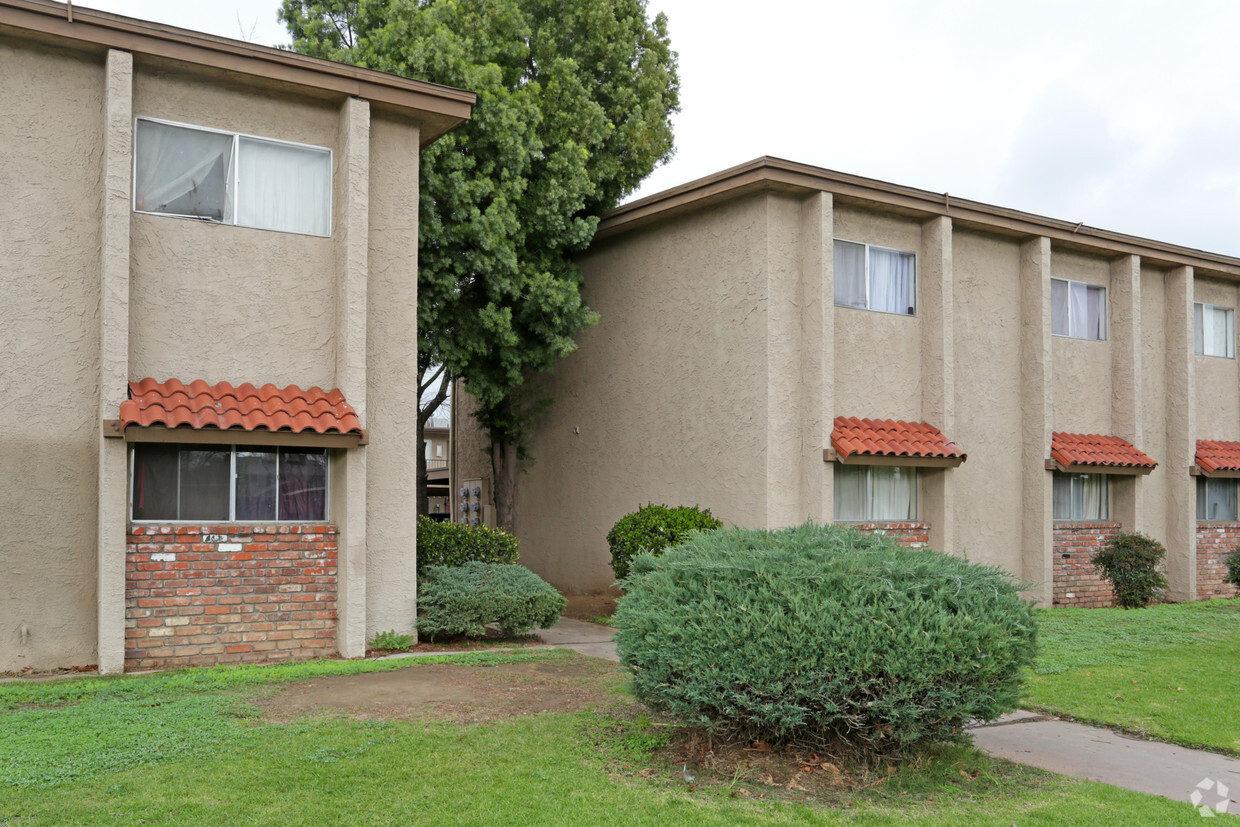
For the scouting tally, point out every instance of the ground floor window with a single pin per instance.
(1081, 497)
(875, 493)
(1217, 499)
(228, 483)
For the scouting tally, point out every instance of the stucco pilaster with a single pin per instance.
(352, 232)
(1036, 392)
(1181, 540)
(1127, 400)
(392, 379)
(114, 357)
(938, 366)
(817, 354)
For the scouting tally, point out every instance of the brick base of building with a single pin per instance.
(1214, 542)
(229, 594)
(912, 535)
(1076, 582)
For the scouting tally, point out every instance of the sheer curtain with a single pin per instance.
(1084, 497)
(893, 493)
(850, 493)
(1061, 324)
(283, 187)
(891, 281)
(303, 484)
(1217, 499)
(849, 274)
(1215, 332)
(182, 171)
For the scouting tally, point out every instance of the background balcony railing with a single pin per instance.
(436, 464)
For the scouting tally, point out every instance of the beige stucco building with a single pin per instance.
(184, 207)
(748, 320)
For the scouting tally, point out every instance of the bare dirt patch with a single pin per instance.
(465, 694)
(591, 606)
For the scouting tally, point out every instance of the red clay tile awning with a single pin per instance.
(1215, 458)
(1098, 453)
(887, 440)
(223, 406)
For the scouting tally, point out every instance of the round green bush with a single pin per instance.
(462, 600)
(454, 544)
(1133, 564)
(654, 528)
(824, 636)
(1233, 567)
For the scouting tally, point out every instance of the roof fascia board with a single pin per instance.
(1118, 470)
(144, 38)
(767, 174)
(831, 455)
(216, 436)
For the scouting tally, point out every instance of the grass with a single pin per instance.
(1166, 672)
(190, 748)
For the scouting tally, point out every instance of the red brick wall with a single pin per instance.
(1214, 542)
(1076, 582)
(913, 535)
(246, 594)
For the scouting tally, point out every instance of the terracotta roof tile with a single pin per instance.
(1213, 455)
(891, 438)
(1096, 449)
(199, 405)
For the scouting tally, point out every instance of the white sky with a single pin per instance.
(1123, 114)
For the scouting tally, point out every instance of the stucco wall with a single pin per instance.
(867, 338)
(988, 397)
(270, 296)
(664, 399)
(1081, 368)
(50, 174)
(1152, 490)
(1218, 379)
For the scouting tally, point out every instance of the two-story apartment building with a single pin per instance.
(781, 342)
(208, 344)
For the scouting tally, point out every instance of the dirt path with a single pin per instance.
(467, 694)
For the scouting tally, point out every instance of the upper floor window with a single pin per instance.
(875, 278)
(219, 483)
(1080, 497)
(1078, 310)
(875, 493)
(193, 172)
(1215, 330)
(1217, 499)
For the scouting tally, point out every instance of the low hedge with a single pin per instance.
(654, 528)
(1133, 565)
(823, 636)
(463, 600)
(454, 544)
(1233, 567)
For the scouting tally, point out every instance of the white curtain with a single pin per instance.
(1199, 327)
(283, 187)
(182, 171)
(1215, 330)
(1060, 315)
(850, 493)
(1217, 499)
(849, 274)
(893, 493)
(1083, 497)
(891, 281)
(1095, 312)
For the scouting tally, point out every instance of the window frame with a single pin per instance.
(1231, 326)
(869, 482)
(232, 483)
(866, 277)
(234, 175)
(1105, 305)
(1072, 478)
(1204, 482)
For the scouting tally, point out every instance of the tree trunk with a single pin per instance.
(504, 475)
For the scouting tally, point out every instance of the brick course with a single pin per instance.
(259, 593)
(1076, 582)
(912, 535)
(1214, 542)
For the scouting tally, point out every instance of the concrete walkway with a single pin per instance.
(591, 639)
(1040, 741)
(1120, 760)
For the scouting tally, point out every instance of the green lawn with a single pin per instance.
(191, 748)
(1169, 672)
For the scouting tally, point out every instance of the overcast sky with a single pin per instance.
(1124, 115)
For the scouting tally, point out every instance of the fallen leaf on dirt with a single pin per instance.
(761, 746)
